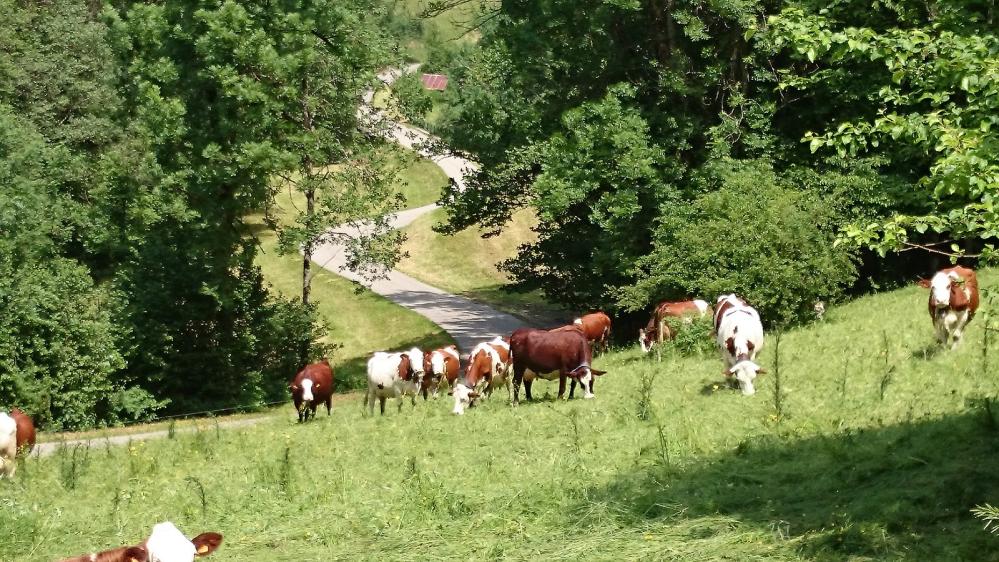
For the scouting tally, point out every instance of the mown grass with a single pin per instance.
(466, 264)
(848, 468)
(358, 320)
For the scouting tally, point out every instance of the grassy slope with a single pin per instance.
(361, 321)
(452, 25)
(845, 475)
(470, 263)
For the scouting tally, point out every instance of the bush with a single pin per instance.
(692, 336)
(414, 101)
(747, 234)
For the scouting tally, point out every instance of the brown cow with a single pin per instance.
(313, 385)
(25, 431)
(597, 327)
(541, 353)
(657, 330)
(439, 365)
(164, 543)
(953, 302)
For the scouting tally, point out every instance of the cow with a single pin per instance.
(545, 354)
(953, 302)
(488, 367)
(657, 330)
(8, 446)
(440, 366)
(165, 544)
(313, 385)
(25, 431)
(394, 375)
(739, 334)
(597, 327)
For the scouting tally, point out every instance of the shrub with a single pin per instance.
(414, 101)
(692, 336)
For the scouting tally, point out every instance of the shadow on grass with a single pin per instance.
(901, 492)
(929, 351)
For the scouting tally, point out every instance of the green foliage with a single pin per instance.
(692, 336)
(414, 101)
(750, 235)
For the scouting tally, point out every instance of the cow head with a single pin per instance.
(464, 397)
(586, 376)
(168, 544)
(745, 372)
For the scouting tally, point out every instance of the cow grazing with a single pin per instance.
(488, 367)
(8, 445)
(546, 354)
(657, 330)
(440, 366)
(25, 431)
(597, 327)
(165, 544)
(394, 375)
(740, 338)
(313, 385)
(953, 302)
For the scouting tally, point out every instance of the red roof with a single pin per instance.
(434, 81)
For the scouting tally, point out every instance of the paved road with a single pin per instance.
(467, 321)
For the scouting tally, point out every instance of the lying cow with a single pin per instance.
(597, 327)
(394, 375)
(25, 431)
(439, 366)
(313, 385)
(740, 338)
(165, 544)
(488, 367)
(8, 445)
(657, 330)
(547, 354)
(953, 302)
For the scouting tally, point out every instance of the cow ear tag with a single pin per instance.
(203, 548)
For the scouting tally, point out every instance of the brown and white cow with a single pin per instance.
(394, 375)
(439, 366)
(739, 333)
(165, 544)
(657, 330)
(313, 385)
(8, 446)
(547, 354)
(489, 367)
(953, 302)
(25, 431)
(597, 327)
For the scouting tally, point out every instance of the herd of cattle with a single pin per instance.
(564, 353)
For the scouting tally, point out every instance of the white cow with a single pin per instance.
(394, 375)
(740, 338)
(8, 445)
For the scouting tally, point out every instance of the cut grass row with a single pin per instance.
(878, 451)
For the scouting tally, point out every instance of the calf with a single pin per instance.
(540, 353)
(488, 368)
(313, 385)
(657, 330)
(597, 327)
(953, 302)
(740, 338)
(394, 375)
(8, 445)
(440, 366)
(165, 544)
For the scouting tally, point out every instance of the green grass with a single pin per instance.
(852, 469)
(450, 26)
(359, 320)
(471, 264)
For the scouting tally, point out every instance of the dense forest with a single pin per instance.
(788, 151)
(134, 140)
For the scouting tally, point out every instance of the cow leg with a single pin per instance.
(527, 389)
(518, 375)
(381, 404)
(329, 405)
(561, 384)
(940, 323)
(962, 322)
(572, 388)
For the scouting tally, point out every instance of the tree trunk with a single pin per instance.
(310, 199)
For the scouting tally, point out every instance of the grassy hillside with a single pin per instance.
(878, 449)
(361, 321)
(465, 264)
